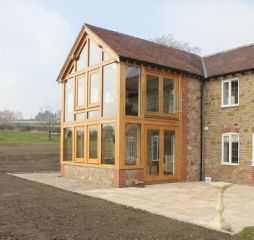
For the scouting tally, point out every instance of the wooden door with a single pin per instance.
(161, 153)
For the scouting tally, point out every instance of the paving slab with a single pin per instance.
(192, 202)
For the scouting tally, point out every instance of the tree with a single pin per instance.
(169, 41)
(48, 118)
(7, 117)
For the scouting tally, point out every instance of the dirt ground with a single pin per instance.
(33, 211)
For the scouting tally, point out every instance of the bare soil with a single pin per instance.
(33, 211)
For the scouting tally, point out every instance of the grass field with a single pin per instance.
(7, 136)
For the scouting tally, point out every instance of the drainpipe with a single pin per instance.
(201, 130)
(202, 164)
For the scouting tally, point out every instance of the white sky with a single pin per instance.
(36, 35)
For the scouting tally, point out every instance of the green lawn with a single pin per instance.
(7, 136)
(247, 233)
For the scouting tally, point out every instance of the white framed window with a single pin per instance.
(230, 149)
(230, 93)
(252, 149)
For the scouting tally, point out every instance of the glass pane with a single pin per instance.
(106, 56)
(67, 148)
(168, 96)
(169, 152)
(153, 152)
(109, 89)
(225, 93)
(80, 143)
(93, 143)
(93, 115)
(82, 60)
(95, 54)
(226, 148)
(81, 82)
(152, 94)
(68, 101)
(108, 144)
(235, 148)
(234, 92)
(94, 87)
(132, 133)
(132, 90)
(80, 117)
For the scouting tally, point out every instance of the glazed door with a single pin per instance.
(161, 153)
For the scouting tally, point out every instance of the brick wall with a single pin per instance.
(191, 121)
(219, 120)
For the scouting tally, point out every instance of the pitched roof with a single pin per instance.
(231, 61)
(135, 48)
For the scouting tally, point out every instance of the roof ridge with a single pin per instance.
(228, 50)
(145, 40)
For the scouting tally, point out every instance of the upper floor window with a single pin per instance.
(95, 54)
(160, 94)
(230, 92)
(230, 148)
(109, 89)
(82, 59)
(132, 81)
(69, 100)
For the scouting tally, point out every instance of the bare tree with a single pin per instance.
(48, 118)
(7, 117)
(169, 41)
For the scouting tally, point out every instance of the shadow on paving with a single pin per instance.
(30, 210)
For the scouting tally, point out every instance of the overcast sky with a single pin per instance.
(36, 36)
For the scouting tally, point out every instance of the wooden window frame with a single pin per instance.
(78, 55)
(79, 160)
(139, 92)
(72, 145)
(230, 134)
(229, 81)
(160, 113)
(92, 160)
(138, 141)
(97, 104)
(77, 108)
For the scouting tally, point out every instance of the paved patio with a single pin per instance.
(192, 202)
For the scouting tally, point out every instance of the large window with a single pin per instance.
(109, 90)
(169, 152)
(79, 143)
(230, 148)
(132, 136)
(94, 82)
(69, 100)
(108, 144)
(160, 94)
(153, 151)
(95, 54)
(67, 147)
(152, 93)
(230, 92)
(92, 144)
(132, 79)
(80, 91)
(168, 96)
(82, 59)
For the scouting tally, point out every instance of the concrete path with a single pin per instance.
(192, 202)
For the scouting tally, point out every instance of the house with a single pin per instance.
(137, 110)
